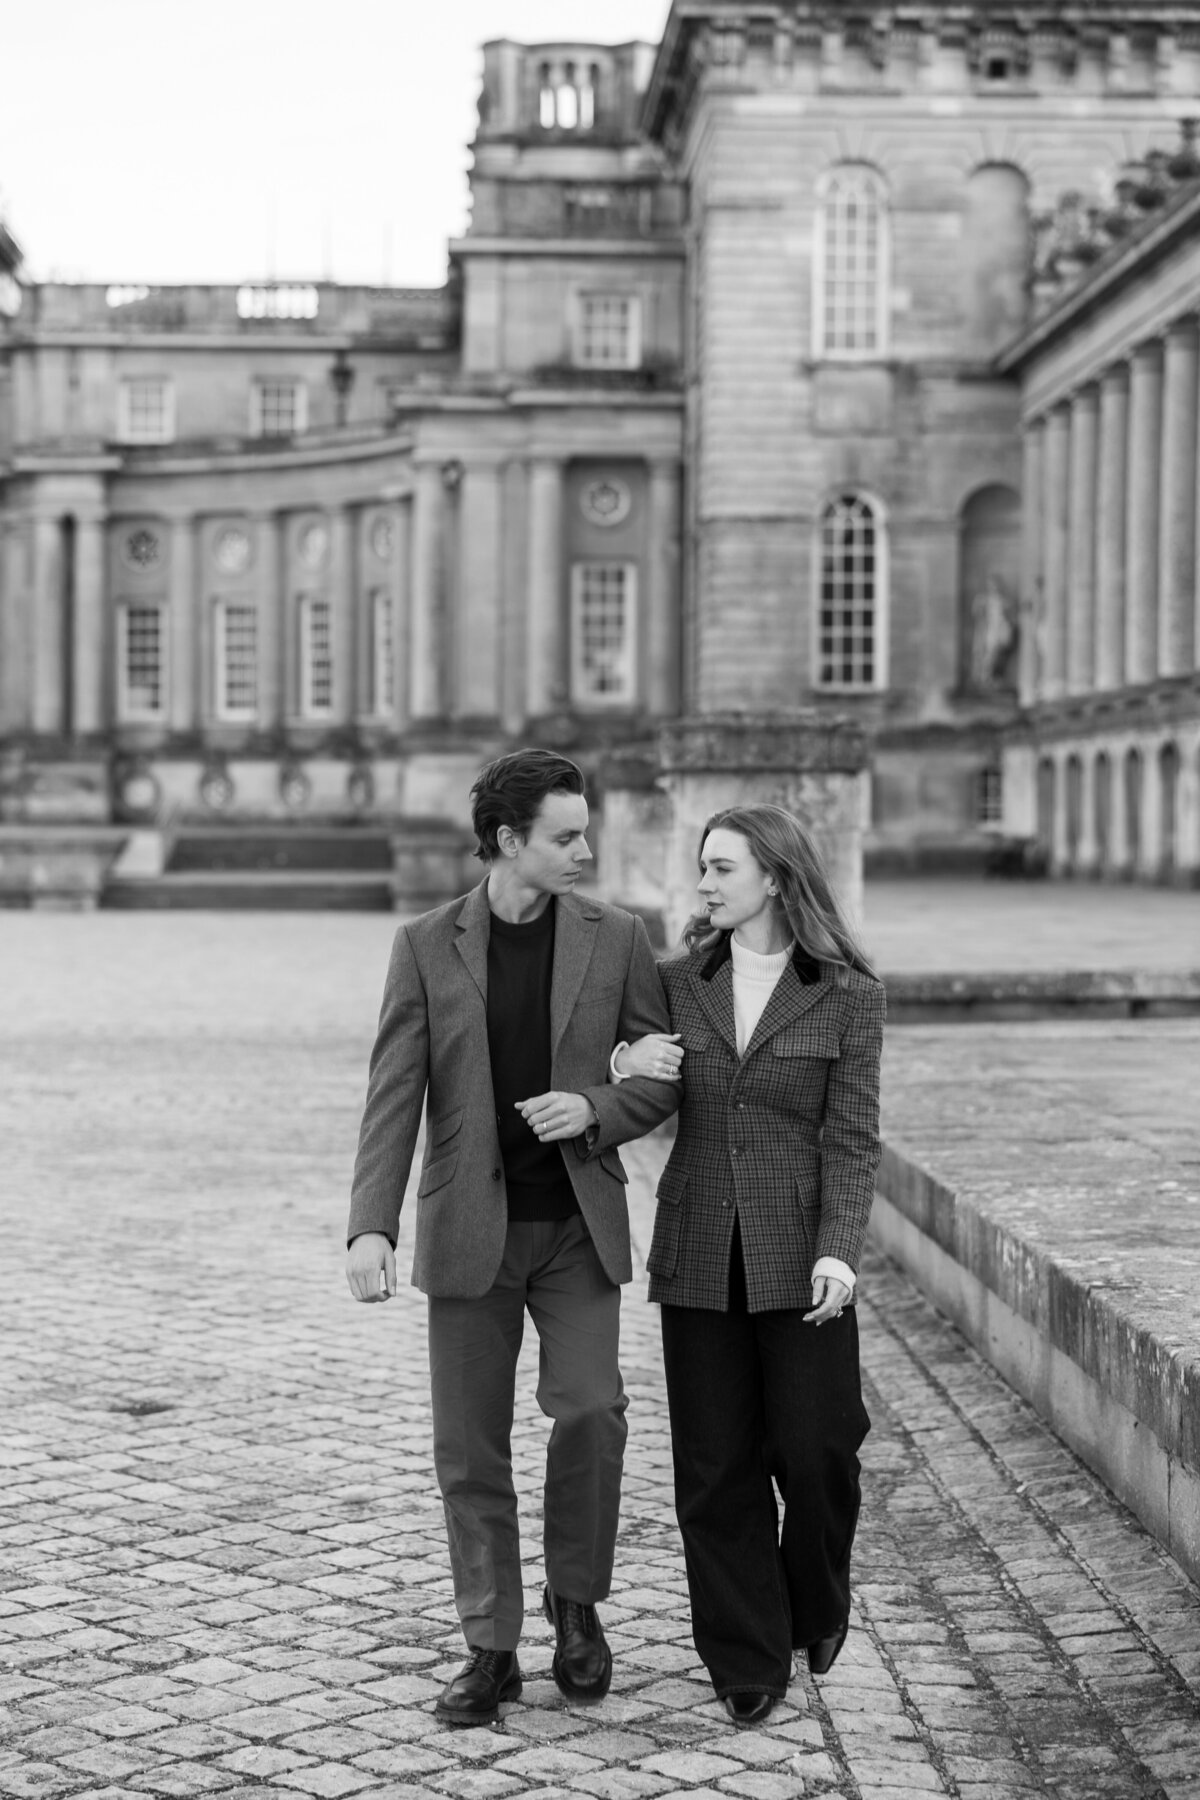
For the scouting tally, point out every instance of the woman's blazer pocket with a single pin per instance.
(668, 1223)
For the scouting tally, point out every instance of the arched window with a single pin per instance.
(853, 591)
(850, 268)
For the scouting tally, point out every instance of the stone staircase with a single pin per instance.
(266, 867)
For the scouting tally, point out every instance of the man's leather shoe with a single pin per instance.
(582, 1659)
(748, 1708)
(824, 1653)
(485, 1679)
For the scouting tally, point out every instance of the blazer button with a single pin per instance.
(496, 1174)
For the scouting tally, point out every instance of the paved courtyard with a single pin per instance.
(221, 1561)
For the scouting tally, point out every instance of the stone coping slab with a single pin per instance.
(1044, 1183)
(1038, 993)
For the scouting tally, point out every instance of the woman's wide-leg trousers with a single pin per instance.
(759, 1401)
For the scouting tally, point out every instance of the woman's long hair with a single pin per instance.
(785, 850)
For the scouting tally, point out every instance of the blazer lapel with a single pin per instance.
(574, 940)
(790, 997)
(714, 993)
(473, 924)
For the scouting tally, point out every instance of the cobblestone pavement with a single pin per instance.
(221, 1557)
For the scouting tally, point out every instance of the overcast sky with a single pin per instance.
(236, 140)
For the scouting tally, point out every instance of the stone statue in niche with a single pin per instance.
(994, 632)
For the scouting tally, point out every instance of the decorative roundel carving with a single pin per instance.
(606, 502)
(295, 789)
(139, 791)
(142, 549)
(216, 788)
(313, 545)
(231, 552)
(383, 537)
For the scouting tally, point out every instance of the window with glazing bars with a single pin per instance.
(146, 410)
(608, 331)
(989, 796)
(278, 408)
(850, 575)
(237, 659)
(141, 679)
(851, 306)
(602, 633)
(316, 655)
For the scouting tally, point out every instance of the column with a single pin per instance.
(183, 629)
(1177, 520)
(14, 620)
(343, 603)
(1033, 508)
(271, 602)
(1118, 817)
(477, 661)
(1060, 850)
(545, 636)
(1054, 608)
(49, 643)
(90, 661)
(1081, 552)
(1145, 442)
(1150, 865)
(660, 634)
(1112, 484)
(1087, 855)
(424, 667)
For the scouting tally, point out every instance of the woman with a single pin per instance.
(762, 1209)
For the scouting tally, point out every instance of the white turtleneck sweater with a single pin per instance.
(754, 981)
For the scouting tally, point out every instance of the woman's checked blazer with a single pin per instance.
(785, 1137)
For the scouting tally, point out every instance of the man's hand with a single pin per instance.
(829, 1297)
(369, 1257)
(558, 1117)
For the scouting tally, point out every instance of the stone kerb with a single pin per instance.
(815, 767)
(1125, 1398)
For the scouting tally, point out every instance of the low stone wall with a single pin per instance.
(1122, 1394)
(63, 867)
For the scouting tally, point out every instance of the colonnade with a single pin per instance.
(1121, 804)
(478, 576)
(1111, 540)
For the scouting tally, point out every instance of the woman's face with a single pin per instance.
(733, 886)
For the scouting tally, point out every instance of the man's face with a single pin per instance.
(552, 857)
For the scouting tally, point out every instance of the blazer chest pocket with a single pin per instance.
(668, 1223)
(817, 1042)
(436, 1174)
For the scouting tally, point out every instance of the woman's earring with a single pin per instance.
(772, 893)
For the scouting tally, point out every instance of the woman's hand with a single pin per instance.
(829, 1297)
(658, 1055)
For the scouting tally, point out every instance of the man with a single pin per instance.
(501, 1011)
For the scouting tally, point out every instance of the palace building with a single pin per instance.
(747, 393)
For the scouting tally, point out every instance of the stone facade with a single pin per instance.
(713, 416)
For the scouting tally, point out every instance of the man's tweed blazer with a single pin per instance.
(432, 1047)
(785, 1137)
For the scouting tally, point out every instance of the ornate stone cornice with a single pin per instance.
(788, 742)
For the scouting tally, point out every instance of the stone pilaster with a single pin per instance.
(1112, 485)
(1054, 608)
(90, 659)
(1081, 537)
(661, 635)
(184, 636)
(425, 648)
(1177, 518)
(1033, 509)
(477, 662)
(545, 633)
(1145, 442)
(274, 612)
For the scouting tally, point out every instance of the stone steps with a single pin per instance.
(288, 890)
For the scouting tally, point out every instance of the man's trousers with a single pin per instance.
(552, 1269)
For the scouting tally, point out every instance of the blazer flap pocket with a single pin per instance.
(808, 1038)
(695, 1035)
(448, 1126)
(436, 1174)
(608, 1159)
(603, 995)
(672, 1185)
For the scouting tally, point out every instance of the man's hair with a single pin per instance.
(510, 791)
